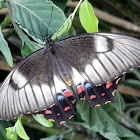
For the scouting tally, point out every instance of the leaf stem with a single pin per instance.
(73, 14)
(75, 10)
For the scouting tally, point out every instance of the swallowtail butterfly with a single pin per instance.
(92, 63)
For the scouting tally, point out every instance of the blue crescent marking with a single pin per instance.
(88, 86)
(60, 98)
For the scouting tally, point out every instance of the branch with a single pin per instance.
(4, 66)
(128, 90)
(4, 11)
(136, 2)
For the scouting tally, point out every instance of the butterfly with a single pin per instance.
(91, 63)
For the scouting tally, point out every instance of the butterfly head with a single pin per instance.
(49, 43)
(47, 39)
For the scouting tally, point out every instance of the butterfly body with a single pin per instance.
(90, 63)
(50, 44)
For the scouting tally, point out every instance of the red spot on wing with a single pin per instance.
(92, 96)
(80, 88)
(48, 112)
(67, 108)
(58, 114)
(67, 93)
(103, 94)
(108, 85)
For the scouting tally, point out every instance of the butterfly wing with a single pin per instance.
(30, 88)
(101, 56)
(97, 59)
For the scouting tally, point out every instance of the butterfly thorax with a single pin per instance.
(49, 43)
(60, 65)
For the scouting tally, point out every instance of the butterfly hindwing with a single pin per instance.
(62, 110)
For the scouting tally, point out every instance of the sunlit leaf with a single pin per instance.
(43, 121)
(43, 17)
(87, 17)
(20, 130)
(65, 27)
(5, 50)
(11, 133)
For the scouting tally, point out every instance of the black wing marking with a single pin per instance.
(33, 86)
(100, 57)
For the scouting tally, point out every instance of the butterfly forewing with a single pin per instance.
(18, 92)
(101, 57)
(34, 86)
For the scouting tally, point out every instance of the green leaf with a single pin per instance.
(3, 125)
(124, 132)
(133, 82)
(37, 20)
(2, 4)
(43, 17)
(43, 121)
(65, 27)
(87, 17)
(20, 130)
(132, 138)
(136, 72)
(54, 137)
(28, 46)
(119, 104)
(5, 50)
(95, 118)
(11, 133)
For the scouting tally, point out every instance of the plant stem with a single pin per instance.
(73, 14)
(75, 10)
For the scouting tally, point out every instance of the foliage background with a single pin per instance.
(117, 16)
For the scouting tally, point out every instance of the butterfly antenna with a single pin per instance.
(49, 22)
